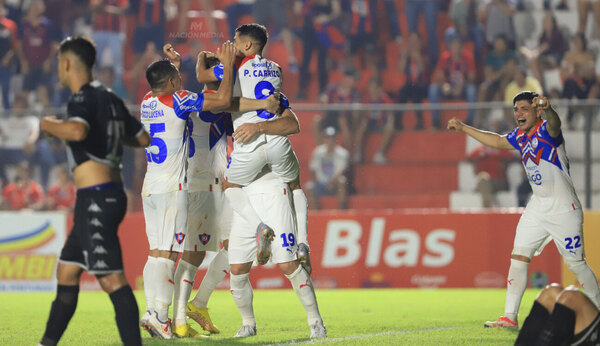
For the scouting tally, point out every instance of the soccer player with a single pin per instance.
(96, 127)
(554, 211)
(165, 112)
(561, 316)
(270, 196)
(208, 216)
(258, 77)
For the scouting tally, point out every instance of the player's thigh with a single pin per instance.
(242, 241)
(202, 230)
(224, 215)
(151, 218)
(243, 168)
(567, 231)
(283, 160)
(171, 220)
(530, 234)
(276, 211)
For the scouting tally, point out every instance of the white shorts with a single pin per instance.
(165, 215)
(244, 167)
(209, 220)
(535, 229)
(274, 207)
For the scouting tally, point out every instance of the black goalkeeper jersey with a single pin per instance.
(107, 121)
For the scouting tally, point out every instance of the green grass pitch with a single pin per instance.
(352, 317)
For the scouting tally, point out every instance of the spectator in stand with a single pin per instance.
(235, 11)
(490, 167)
(361, 33)
(23, 193)
(466, 24)
(135, 78)
(578, 73)
(391, 13)
(454, 79)
(551, 48)
(183, 9)
(272, 14)
(343, 92)
(106, 75)
(521, 82)
(18, 136)
(328, 166)
(319, 17)
(150, 25)
(414, 64)
(497, 19)
(61, 195)
(374, 121)
(583, 9)
(523, 191)
(188, 68)
(499, 70)
(429, 9)
(37, 48)
(8, 43)
(108, 21)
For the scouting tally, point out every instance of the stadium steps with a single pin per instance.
(363, 202)
(411, 177)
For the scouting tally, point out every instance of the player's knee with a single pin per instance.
(574, 264)
(522, 254)
(193, 257)
(289, 267)
(548, 295)
(571, 297)
(111, 282)
(239, 269)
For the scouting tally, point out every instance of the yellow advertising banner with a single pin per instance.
(591, 237)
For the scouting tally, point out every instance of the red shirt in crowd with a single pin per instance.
(61, 199)
(491, 160)
(21, 196)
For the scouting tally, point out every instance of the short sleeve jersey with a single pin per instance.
(208, 148)
(547, 166)
(256, 78)
(107, 120)
(165, 118)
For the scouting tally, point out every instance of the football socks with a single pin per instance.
(515, 287)
(218, 268)
(241, 290)
(184, 283)
(126, 315)
(303, 288)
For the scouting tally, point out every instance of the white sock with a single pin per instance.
(301, 209)
(239, 202)
(587, 279)
(515, 287)
(241, 290)
(306, 294)
(184, 283)
(218, 268)
(164, 287)
(149, 287)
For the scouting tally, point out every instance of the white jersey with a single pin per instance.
(165, 118)
(256, 78)
(547, 167)
(208, 149)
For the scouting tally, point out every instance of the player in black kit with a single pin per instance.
(96, 127)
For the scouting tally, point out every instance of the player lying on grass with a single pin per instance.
(554, 211)
(561, 316)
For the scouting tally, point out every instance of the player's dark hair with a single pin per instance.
(159, 72)
(82, 47)
(255, 31)
(525, 95)
(211, 61)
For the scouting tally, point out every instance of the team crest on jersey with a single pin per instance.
(534, 142)
(179, 237)
(204, 238)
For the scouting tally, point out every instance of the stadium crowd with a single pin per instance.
(366, 52)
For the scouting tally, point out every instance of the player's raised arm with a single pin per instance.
(222, 98)
(285, 125)
(206, 74)
(490, 139)
(173, 55)
(69, 130)
(549, 114)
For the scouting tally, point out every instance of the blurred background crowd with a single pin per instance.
(394, 52)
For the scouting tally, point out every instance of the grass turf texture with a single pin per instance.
(352, 317)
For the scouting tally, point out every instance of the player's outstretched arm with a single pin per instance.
(173, 55)
(222, 98)
(243, 104)
(285, 125)
(69, 130)
(550, 115)
(490, 139)
(204, 74)
(142, 140)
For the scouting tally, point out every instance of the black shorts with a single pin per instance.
(93, 243)
(590, 336)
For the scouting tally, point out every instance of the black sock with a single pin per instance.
(63, 308)
(560, 326)
(127, 315)
(533, 325)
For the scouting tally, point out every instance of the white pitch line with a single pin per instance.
(362, 336)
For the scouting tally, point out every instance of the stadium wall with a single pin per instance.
(349, 249)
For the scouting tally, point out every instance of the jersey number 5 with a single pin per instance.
(161, 155)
